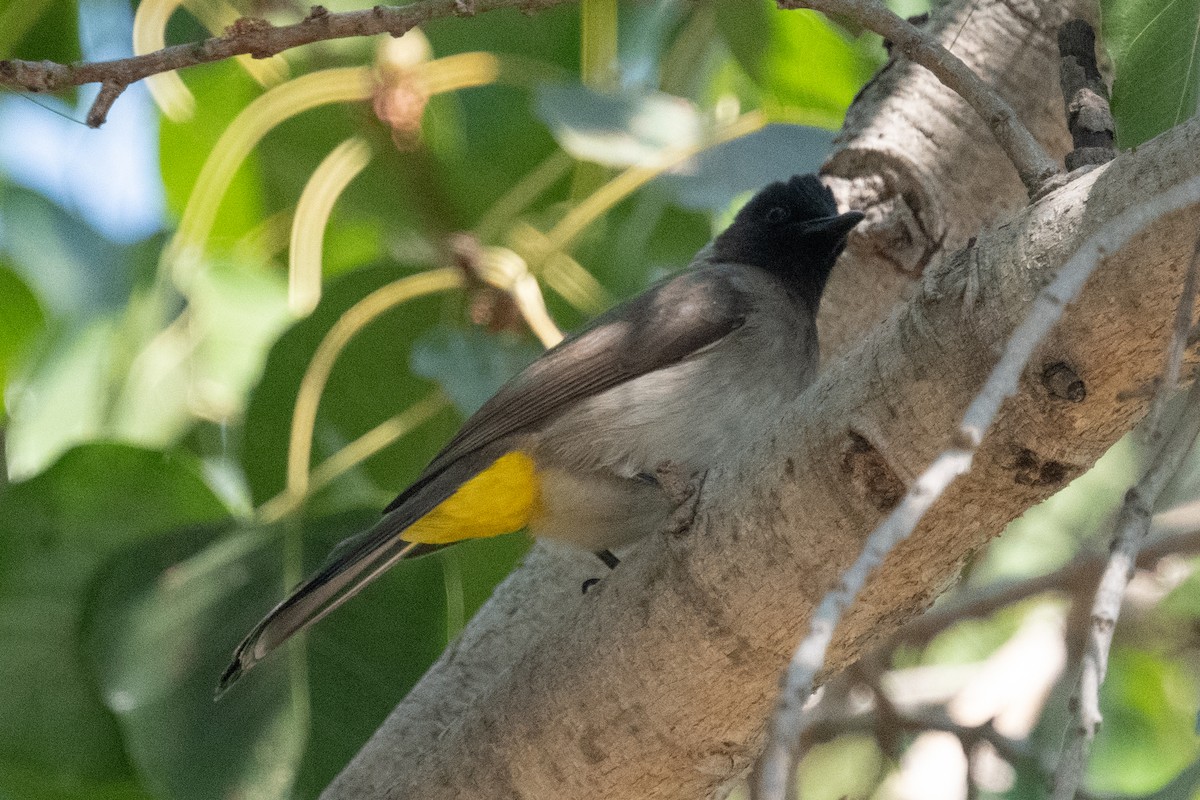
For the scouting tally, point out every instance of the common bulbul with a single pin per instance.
(685, 373)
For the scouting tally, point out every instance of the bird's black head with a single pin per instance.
(791, 229)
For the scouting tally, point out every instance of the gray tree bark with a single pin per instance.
(658, 682)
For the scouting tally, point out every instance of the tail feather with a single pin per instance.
(349, 567)
(340, 579)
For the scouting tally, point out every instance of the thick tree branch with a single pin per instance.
(658, 681)
(1033, 164)
(1003, 382)
(924, 165)
(248, 35)
(931, 174)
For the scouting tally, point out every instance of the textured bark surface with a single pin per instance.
(658, 682)
(924, 165)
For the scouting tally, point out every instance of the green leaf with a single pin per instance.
(798, 60)
(57, 528)
(711, 180)
(166, 615)
(61, 399)
(484, 140)
(21, 320)
(71, 268)
(163, 618)
(205, 364)
(369, 384)
(40, 29)
(1149, 706)
(632, 128)
(470, 364)
(1154, 47)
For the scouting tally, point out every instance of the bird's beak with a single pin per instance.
(837, 227)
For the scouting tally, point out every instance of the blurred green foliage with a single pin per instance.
(148, 419)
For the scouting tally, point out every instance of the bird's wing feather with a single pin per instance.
(655, 330)
(661, 327)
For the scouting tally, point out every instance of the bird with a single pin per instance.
(571, 448)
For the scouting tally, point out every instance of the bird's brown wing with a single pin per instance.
(661, 327)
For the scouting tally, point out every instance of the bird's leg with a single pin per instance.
(683, 491)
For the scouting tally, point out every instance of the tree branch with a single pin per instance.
(923, 164)
(1077, 576)
(1033, 164)
(657, 683)
(776, 769)
(248, 35)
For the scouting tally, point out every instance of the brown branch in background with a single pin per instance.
(1075, 577)
(1033, 164)
(1168, 445)
(1089, 117)
(109, 92)
(246, 36)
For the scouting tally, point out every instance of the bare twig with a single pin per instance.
(1028, 156)
(248, 35)
(776, 767)
(110, 90)
(1168, 446)
(1080, 575)
(887, 720)
(1089, 117)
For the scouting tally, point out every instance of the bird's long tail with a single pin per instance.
(351, 566)
(478, 496)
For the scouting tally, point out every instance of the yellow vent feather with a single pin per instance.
(501, 499)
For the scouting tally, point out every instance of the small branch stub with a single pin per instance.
(1062, 382)
(1089, 118)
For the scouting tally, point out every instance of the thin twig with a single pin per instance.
(775, 769)
(1033, 164)
(248, 35)
(110, 90)
(1168, 444)
(893, 720)
(1081, 574)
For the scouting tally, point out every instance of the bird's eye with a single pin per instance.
(777, 214)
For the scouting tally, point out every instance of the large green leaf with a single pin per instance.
(205, 363)
(485, 139)
(40, 29)
(365, 656)
(20, 321)
(711, 180)
(798, 60)
(166, 614)
(1153, 44)
(61, 398)
(470, 364)
(163, 618)
(618, 130)
(369, 384)
(1149, 707)
(56, 529)
(71, 268)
